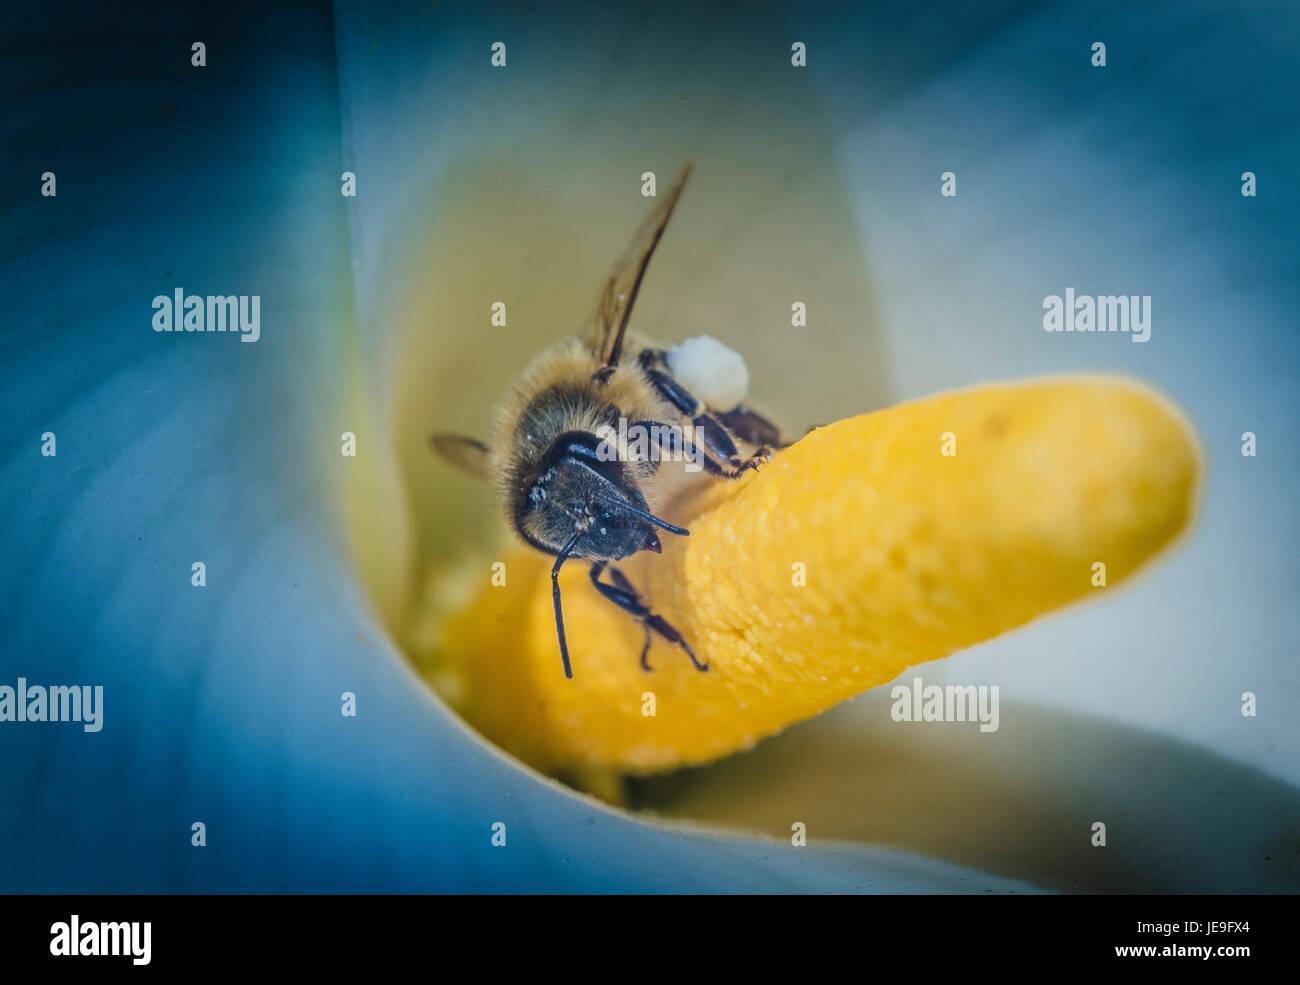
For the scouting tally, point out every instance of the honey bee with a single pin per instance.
(559, 485)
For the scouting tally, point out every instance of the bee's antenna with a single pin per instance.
(555, 594)
(662, 524)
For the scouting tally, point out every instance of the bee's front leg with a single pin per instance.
(621, 581)
(715, 437)
(625, 597)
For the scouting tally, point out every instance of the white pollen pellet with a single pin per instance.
(711, 371)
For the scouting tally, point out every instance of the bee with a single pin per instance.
(560, 488)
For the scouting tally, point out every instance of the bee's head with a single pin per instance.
(578, 489)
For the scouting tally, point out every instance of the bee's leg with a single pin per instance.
(718, 441)
(752, 428)
(747, 425)
(716, 438)
(621, 581)
(670, 446)
(625, 597)
(652, 358)
(672, 391)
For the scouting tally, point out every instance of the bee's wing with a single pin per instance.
(619, 295)
(465, 453)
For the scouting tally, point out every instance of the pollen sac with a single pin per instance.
(711, 371)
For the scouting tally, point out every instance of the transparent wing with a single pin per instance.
(620, 291)
(465, 453)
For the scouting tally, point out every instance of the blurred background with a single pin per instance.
(522, 184)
